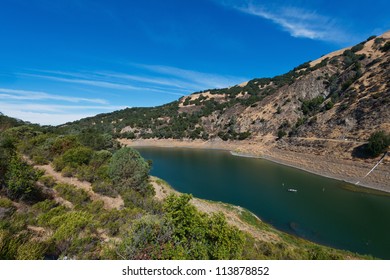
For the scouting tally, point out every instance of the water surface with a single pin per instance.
(322, 210)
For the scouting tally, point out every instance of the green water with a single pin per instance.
(323, 210)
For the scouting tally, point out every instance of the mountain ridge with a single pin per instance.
(332, 97)
(317, 117)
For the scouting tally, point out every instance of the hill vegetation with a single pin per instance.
(343, 95)
(46, 217)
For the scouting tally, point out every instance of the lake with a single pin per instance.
(323, 210)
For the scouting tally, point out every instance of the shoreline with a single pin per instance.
(348, 171)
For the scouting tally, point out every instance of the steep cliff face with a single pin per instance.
(343, 95)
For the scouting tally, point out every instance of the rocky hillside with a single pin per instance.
(342, 96)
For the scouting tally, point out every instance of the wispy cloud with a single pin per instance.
(38, 106)
(99, 83)
(194, 79)
(17, 94)
(298, 22)
(158, 78)
(139, 80)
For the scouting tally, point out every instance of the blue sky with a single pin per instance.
(64, 60)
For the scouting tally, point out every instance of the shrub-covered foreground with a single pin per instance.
(41, 218)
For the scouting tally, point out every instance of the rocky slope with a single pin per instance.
(345, 94)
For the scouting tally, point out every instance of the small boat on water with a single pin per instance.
(292, 190)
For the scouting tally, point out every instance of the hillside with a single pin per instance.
(8, 122)
(326, 109)
(343, 95)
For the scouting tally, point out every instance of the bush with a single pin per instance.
(386, 47)
(150, 238)
(47, 181)
(357, 48)
(104, 188)
(78, 156)
(281, 133)
(129, 170)
(68, 171)
(20, 178)
(378, 143)
(312, 105)
(71, 193)
(225, 242)
(63, 143)
(31, 250)
(6, 208)
(69, 226)
(329, 105)
(40, 160)
(85, 173)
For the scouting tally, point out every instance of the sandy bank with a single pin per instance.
(347, 170)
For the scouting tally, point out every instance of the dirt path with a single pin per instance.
(330, 140)
(109, 202)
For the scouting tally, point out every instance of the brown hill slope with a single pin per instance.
(325, 108)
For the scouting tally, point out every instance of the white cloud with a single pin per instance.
(34, 105)
(195, 79)
(298, 22)
(39, 95)
(38, 106)
(102, 83)
(45, 118)
(52, 114)
(161, 78)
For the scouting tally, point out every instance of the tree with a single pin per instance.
(128, 169)
(378, 143)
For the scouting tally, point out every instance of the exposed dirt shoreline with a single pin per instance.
(348, 170)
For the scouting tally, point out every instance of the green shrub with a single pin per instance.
(357, 48)
(378, 143)
(78, 156)
(44, 206)
(6, 208)
(62, 144)
(78, 197)
(69, 226)
(224, 241)
(20, 178)
(386, 47)
(150, 238)
(104, 188)
(58, 164)
(281, 133)
(47, 215)
(68, 171)
(128, 169)
(40, 160)
(312, 105)
(85, 173)
(48, 181)
(329, 105)
(31, 250)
